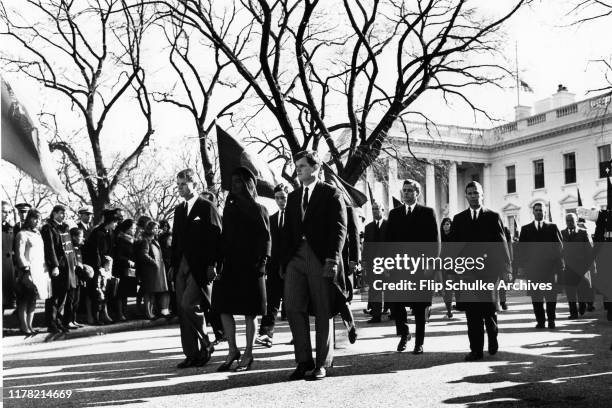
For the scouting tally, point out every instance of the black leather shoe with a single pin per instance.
(401, 346)
(300, 371)
(504, 306)
(473, 357)
(244, 365)
(206, 354)
(374, 320)
(417, 350)
(582, 308)
(540, 326)
(352, 335)
(493, 347)
(188, 362)
(572, 316)
(318, 373)
(227, 364)
(551, 324)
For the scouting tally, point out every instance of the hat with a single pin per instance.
(23, 206)
(88, 209)
(245, 173)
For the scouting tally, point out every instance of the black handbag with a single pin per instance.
(24, 286)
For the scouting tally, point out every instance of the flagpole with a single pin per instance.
(518, 89)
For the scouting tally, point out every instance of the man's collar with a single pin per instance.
(476, 209)
(314, 181)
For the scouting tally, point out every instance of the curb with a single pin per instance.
(85, 331)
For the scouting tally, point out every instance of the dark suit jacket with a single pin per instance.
(197, 237)
(419, 226)
(372, 233)
(577, 251)
(275, 254)
(324, 224)
(351, 250)
(540, 253)
(58, 254)
(475, 239)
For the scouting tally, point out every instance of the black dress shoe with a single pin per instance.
(228, 362)
(188, 362)
(300, 371)
(206, 354)
(582, 308)
(318, 373)
(493, 347)
(401, 346)
(352, 335)
(504, 306)
(473, 357)
(374, 320)
(417, 350)
(572, 316)
(244, 366)
(551, 324)
(540, 326)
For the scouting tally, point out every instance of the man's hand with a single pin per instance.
(171, 274)
(211, 273)
(330, 269)
(55, 272)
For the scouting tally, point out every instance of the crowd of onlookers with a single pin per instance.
(85, 273)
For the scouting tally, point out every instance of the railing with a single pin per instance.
(508, 127)
(567, 110)
(534, 120)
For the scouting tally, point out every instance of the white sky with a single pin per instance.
(549, 53)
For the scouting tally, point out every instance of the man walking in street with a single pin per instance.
(196, 236)
(478, 231)
(314, 234)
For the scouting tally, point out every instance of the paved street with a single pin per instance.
(570, 366)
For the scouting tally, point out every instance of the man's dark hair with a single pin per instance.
(415, 184)
(187, 174)
(536, 205)
(57, 208)
(110, 216)
(74, 231)
(311, 157)
(473, 184)
(281, 187)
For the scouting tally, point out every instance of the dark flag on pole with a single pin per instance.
(233, 155)
(579, 198)
(22, 145)
(516, 230)
(549, 213)
(370, 193)
(352, 196)
(396, 202)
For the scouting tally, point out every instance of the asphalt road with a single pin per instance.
(570, 366)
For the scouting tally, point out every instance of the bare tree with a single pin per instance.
(90, 53)
(323, 75)
(197, 82)
(587, 11)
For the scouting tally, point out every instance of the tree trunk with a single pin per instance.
(209, 174)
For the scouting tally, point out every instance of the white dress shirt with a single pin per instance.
(190, 203)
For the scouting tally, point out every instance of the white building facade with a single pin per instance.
(545, 156)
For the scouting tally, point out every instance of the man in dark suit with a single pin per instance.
(602, 253)
(376, 231)
(314, 234)
(577, 251)
(540, 255)
(478, 231)
(85, 220)
(415, 223)
(61, 263)
(196, 236)
(274, 282)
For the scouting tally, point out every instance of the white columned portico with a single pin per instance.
(452, 189)
(486, 183)
(430, 186)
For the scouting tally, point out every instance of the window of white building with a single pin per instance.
(510, 179)
(538, 173)
(569, 166)
(603, 157)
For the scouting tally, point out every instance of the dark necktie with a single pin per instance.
(408, 210)
(281, 219)
(474, 215)
(305, 201)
